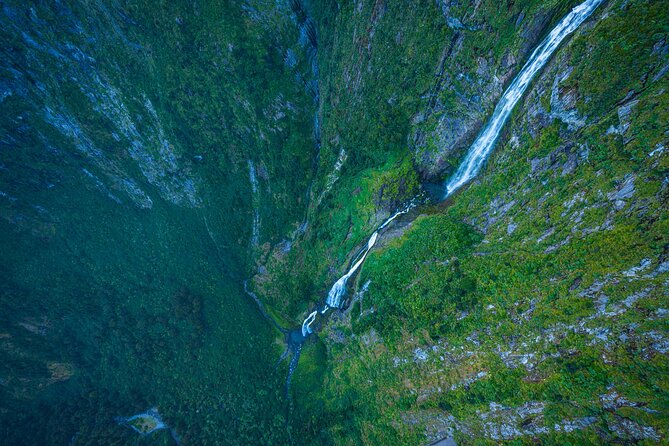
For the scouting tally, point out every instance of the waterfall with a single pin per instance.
(484, 143)
(336, 293)
(482, 146)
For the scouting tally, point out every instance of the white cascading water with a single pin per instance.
(338, 290)
(481, 148)
(483, 145)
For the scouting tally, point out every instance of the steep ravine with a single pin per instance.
(472, 163)
(215, 229)
(532, 307)
(126, 130)
(477, 153)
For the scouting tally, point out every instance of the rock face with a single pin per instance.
(539, 322)
(152, 159)
(128, 215)
(468, 85)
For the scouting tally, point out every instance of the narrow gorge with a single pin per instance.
(316, 222)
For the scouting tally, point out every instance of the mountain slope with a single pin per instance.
(146, 151)
(533, 303)
(156, 155)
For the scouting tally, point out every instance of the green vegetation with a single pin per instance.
(425, 272)
(520, 292)
(125, 227)
(154, 155)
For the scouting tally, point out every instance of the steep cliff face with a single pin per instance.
(153, 156)
(487, 47)
(147, 151)
(532, 305)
